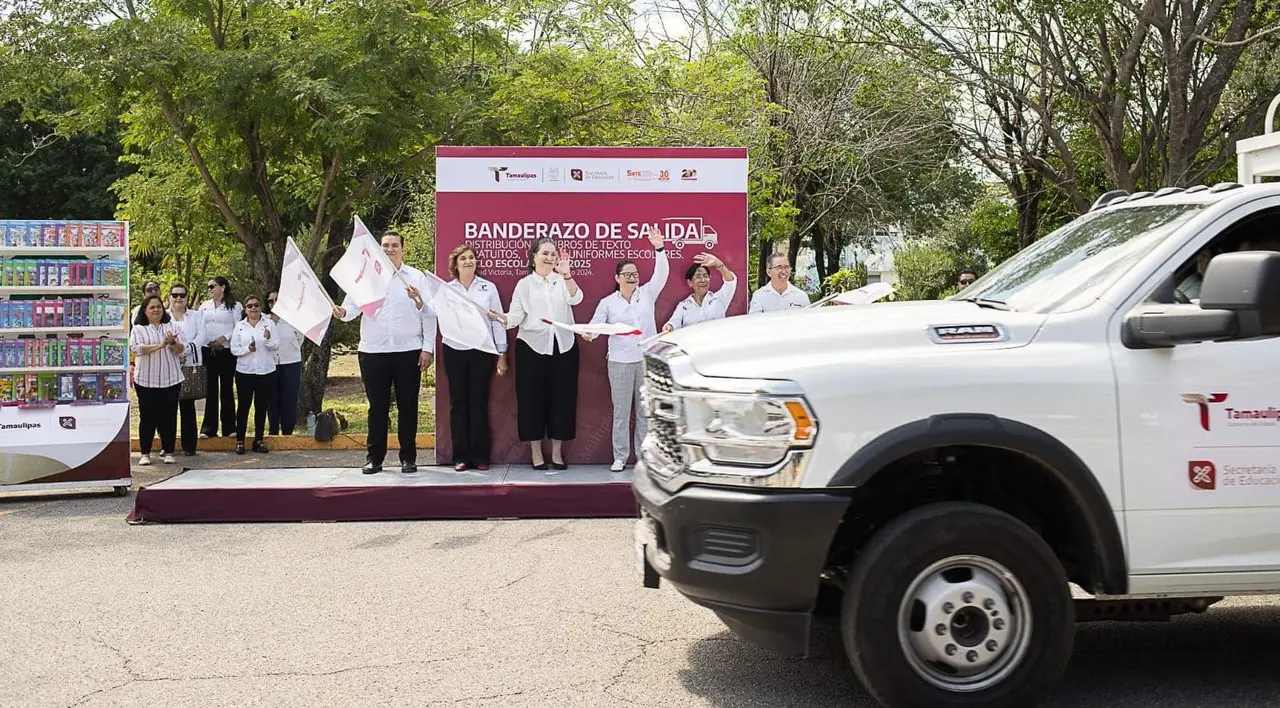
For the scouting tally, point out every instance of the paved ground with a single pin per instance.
(94, 612)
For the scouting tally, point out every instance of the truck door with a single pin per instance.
(1200, 439)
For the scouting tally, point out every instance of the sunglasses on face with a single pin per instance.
(212, 285)
(253, 306)
(966, 281)
(177, 296)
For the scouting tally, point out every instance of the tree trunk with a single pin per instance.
(762, 274)
(315, 374)
(315, 364)
(1027, 198)
(820, 259)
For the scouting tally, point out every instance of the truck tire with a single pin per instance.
(957, 604)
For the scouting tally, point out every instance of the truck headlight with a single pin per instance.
(746, 429)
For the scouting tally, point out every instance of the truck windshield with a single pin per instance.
(1068, 269)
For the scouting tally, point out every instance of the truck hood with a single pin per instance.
(756, 345)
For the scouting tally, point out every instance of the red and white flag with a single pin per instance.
(302, 301)
(605, 328)
(460, 318)
(364, 272)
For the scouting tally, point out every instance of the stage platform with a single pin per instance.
(345, 494)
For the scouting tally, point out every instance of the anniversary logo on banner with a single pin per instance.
(597, 204)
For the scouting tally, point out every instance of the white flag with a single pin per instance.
(864, 295)
(302, 301)
(461, 320)
(364, 271)
(609, 328)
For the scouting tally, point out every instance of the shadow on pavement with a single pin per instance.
(1228, 657)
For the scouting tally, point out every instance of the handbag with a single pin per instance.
(195, 384)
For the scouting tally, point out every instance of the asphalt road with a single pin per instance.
(95, 612)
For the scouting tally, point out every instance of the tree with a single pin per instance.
(1150, 80)
(47, 176)
(287, 115)
(926, 270)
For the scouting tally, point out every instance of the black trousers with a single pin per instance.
(187, 417)
(380, 372)
(254, 389)
(283, 414)
(469, 372)
(157, 410)
(546, 393)
(220, 368)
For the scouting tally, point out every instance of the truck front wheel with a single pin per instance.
(958, 604)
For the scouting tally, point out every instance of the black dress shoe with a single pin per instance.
(240, 447)
(559, 466)
(408, 467)
(371, 468)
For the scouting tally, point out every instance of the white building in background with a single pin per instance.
(878, 259)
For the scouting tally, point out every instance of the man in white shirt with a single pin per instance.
(779, 293)
(396, 345)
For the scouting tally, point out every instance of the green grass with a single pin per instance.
(344, 393)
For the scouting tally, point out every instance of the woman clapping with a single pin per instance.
(156, 344)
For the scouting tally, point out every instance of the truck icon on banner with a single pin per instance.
(681, 230)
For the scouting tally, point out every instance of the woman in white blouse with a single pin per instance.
(156, 344)
(220, 312)
(703, 304)
(546, 358)
(192, 324)
(255, 348)
(469, 371)
(282, 416)
(631, 304)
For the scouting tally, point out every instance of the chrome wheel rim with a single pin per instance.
(964, 623)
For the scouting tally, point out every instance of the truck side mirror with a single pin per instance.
(1248, 284)
(1239, 299)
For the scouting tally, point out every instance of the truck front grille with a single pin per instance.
(665, 434)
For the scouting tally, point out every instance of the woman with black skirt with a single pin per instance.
(546, 358)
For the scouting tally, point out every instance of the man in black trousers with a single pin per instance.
(396, 345)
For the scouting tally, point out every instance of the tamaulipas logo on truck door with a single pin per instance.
(954, 334)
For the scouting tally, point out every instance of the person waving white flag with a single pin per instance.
(364, 272)
(461, 319)
(302, 300)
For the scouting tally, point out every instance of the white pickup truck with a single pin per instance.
(1101, 410)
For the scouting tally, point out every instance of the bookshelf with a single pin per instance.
(64, 307)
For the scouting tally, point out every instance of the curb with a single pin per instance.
(343, 441)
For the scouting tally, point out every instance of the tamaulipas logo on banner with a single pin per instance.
(364, 272)
(302, 302)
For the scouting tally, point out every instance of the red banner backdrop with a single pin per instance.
(594, 203)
